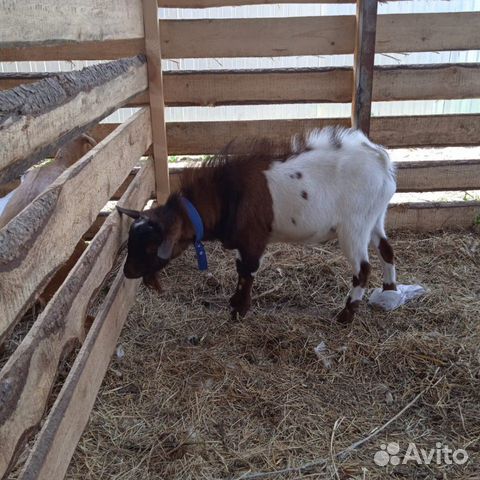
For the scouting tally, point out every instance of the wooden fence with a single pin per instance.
(40, 112)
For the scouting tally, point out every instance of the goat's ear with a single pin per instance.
(165, 249)
(130, 213)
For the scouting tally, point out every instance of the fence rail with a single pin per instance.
(309, 85)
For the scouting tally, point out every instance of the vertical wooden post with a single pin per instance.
(157, 104)
(363, 64)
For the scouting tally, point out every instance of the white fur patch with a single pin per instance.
(356, 293)
(389, 273)
(329, 190)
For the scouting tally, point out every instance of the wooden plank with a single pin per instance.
(426, 130)
(412, 176)
(308, 85)
(30, 373)
(322, 35)
(438, 175)
(428, 32)
(418, 176)
(157, 103)
(61, 214)
(266, 37)
(320, 85)
(69, 416)
(199, 138)
(35, 120)
(194, 138)
(426, 82)
(27, 22)
(12, 80)
(431, 216)
(96, 50)
(250, 87)
(257, 37)
(363, 63)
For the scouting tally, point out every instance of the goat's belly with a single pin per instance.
(304, 209)
(301, 222)
(302, 234)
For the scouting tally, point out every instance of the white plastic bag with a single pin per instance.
(392, 299)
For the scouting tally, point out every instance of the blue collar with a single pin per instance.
(197, 223)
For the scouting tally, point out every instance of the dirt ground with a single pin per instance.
(192, 394)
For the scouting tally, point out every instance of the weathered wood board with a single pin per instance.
(431, 216)
(28, 376)
(195, 138)
(38, 118)
(321, 35)
(363, 64)
(26, 22)
(438, 175)
(61, 214)
(96, 50)
(199, 138)
(157, 101)
(69, 416)
(315, 85)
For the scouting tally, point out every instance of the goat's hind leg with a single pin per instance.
(355, 249)
(385, 253)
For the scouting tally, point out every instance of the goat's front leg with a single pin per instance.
(247, 265)
(152, 281)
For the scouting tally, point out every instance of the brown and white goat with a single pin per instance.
(330, 183)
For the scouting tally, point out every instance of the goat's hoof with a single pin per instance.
(212, 282)
(235, 301)
(346, 316)
(153, 282)
(238, 313)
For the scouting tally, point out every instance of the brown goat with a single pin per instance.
(330, 183)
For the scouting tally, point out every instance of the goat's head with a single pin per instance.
(156, 236)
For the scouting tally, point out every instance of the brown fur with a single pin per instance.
(361, 280)
(386, 251)
(228, 189)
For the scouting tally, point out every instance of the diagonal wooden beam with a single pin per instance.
(69, 416)
(157, 102)
(60, 215)
(37, 119)
(31, 371)
(364, 60)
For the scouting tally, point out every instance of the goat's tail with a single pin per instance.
(378, 150)
(384, 157)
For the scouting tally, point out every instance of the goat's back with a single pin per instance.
(338, 177)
